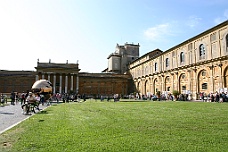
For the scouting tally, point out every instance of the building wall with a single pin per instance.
(114, 63)
(97, 84)
(124, 54)
(199, 64)
(66, 79)
(17, 81)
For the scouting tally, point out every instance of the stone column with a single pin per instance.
(72, 82)
(189, 80)
(60, 83)
(66, 83)
(177, 82)
(172, 81)
(211, 85)
(42, 76)
(37, 77)
(221, 84)
(77, 84)
(54, 84)
(48, 76)
(162, 84)
(195, 84)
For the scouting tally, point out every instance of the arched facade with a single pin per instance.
(199, 64)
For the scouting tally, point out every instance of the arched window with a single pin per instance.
(166, 62)
(155, 66)
(202, 51)
(203, 73)
(182, 57)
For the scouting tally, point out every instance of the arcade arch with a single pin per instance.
(168, 84)
(203, 81)
(146, 87)
(156, 85)
(183, 81)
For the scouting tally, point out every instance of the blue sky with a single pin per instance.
(88, 30)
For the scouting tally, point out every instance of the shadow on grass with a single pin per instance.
(43, 112)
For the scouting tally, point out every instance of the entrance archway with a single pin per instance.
(146, 87)
(167, 84)
(203, 82)
(138, 87)
(156, 86)
(183, 83)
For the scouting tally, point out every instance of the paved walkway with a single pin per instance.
(11, 115)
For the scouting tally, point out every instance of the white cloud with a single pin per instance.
(157, 32)
(193, 21)
(222, 18)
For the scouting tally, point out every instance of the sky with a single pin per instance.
(87, 31)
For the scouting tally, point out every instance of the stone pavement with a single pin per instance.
(11, 115)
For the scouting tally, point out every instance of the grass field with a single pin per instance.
(122, 126)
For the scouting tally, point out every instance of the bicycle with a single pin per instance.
(29, 107)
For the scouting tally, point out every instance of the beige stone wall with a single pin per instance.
(204, 66)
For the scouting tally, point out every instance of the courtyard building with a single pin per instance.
(199, 64)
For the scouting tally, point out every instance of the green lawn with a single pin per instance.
(122, 126)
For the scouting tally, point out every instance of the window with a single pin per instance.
(227, 43)
(181, 57)
(190, 46)
(167, 62)
(183, 87)
(204, 86)
(213, 37)
(156, 67)
(202, 51)
(203, 73)
(168, 88)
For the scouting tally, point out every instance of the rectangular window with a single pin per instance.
(190, 46)
(204, 86)
(213, 37)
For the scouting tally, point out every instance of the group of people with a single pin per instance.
(31, 101)
(214, 97)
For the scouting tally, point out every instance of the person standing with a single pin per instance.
(12, 97)
(22, 98)
(212, 97)
(217, 97)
